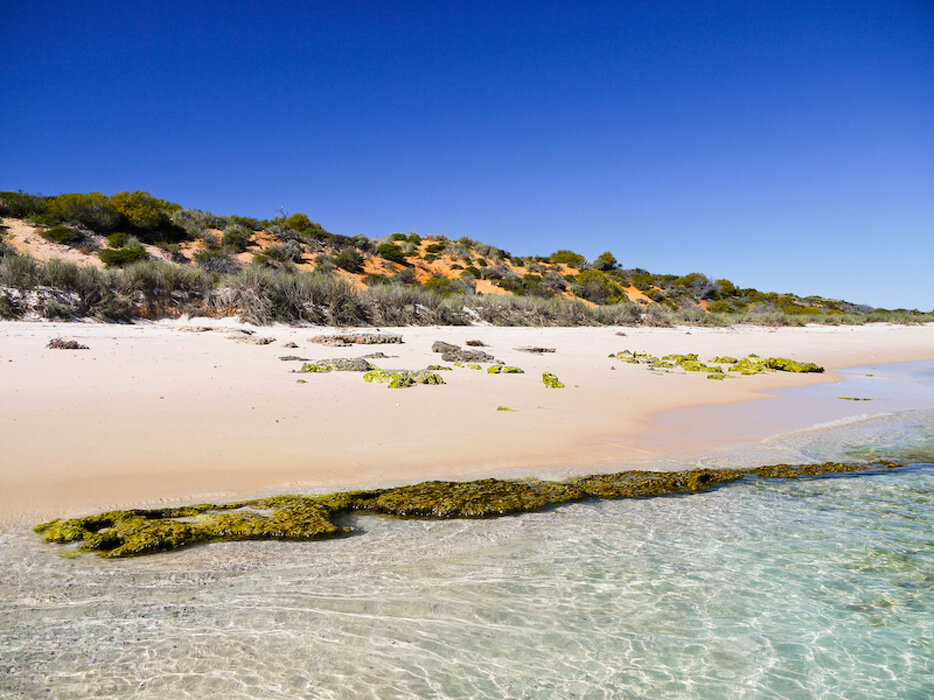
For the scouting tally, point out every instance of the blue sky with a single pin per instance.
(787, 146)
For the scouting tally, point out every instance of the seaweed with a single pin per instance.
(124, 533)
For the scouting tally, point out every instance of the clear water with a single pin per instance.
(817, 588)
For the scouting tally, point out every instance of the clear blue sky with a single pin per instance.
(787, 146)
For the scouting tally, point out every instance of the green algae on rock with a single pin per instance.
(504, 369)
(402, 378)
(752, 364)
(125, 533)
(339, 364)
(507, 409)
(551, 381)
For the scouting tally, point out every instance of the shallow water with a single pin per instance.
(821, 587)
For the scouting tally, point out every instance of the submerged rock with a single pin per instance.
(535, 349)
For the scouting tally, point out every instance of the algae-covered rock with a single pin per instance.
(473, 365)
(717, 375)
(132, 532)
(724, 359)
(535, 349)
(403, 378)
(753, 364)
(506, 409)
(339, 364)
(635, 358)
(473, 499)
(504, 369)
(125, 533)
(439, 368)
(678, 359)
(783, 364)
(551, 381)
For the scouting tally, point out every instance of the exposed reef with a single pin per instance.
(504, 369)
(124, 533)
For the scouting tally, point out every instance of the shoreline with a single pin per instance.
(152, 416)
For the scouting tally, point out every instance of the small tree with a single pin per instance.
(605, 262)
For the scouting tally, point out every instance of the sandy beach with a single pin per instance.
(151, 413)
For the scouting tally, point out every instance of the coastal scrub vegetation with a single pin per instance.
(125, 533)
(291, 269)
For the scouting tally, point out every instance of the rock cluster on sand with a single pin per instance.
(343, 340)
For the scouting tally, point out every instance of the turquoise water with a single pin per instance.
(775, 589)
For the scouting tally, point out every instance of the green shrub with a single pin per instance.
(605, 262)
(94, 211)
(374, 280)
(298, 222)
(399, 237)
(116, 240)
(237, 237)
(442, 286)
(217, 260)
(436, 248)
(121, 256)
(598, 287)
(62, 235)
(349, 259)
(142, 210)
(391, 252)
(19, 205)
(568, 257)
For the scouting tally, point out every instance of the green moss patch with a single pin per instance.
(124, 533)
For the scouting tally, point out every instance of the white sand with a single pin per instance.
(151, 414)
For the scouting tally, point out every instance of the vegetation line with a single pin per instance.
(162, 260)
